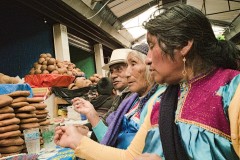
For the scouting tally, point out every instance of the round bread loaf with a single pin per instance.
(10, 134)
(29, 120)
(7, 122)
(5, 100)
(6, 109)
(25, 115)
(7, 116)
(25, 109)
(39, 105)
(9, 128)
(28, 125)
(13, 141)
(41, 116)
(35, 100)
(19, 99)
(44, 123)
(42, 111)
(19, 94)
(19, 104)
(10, 149)
(41, 119)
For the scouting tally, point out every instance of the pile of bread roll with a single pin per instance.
(10, 135)
(19, 112)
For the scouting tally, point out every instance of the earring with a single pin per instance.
(184, 72)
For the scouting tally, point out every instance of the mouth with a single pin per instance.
(130, 83)
(151, 69)
(115, 82)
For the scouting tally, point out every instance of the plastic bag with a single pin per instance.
(49, 80)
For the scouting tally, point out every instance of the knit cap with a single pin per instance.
(104, 86)
(143, 48)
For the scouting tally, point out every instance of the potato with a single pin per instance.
(43, 55)
(48, 55)
(43, 67)
(45, 72)
(50, 68)
(51, 61)
(41, 60)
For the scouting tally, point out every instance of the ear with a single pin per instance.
(184, 51)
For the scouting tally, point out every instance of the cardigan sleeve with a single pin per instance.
(100, 130)
(234, 118)
(91, 150)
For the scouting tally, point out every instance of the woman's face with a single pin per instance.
(163, 68)
(136, 75)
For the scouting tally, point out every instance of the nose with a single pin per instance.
(148, 60)
(128, 71)
(113, 75)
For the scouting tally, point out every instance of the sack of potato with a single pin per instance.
(95, 78)
(80, 82)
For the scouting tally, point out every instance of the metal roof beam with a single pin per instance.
(138, 11)
(124, 39)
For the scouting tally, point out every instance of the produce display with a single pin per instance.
(46, 64)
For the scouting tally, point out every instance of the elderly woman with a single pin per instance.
(197, 117)
(126, 120)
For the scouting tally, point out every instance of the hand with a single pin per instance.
(67, 136)
(82, 129)
(83, 106)
(147, 156)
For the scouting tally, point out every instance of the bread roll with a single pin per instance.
(10, 134)
(28, 126)
(7, 122)
(19, 99)
(29, 120)
(6, 109)
(19, 104)
(9, 128)
(25, 109)
(7, 116)
(5, 100)
(35, 100)
(25, 115)
(10, 149)
(19, 94)
(13, 141)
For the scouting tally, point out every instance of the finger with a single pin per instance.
(56, 138)
(57, 128)
(75, 99)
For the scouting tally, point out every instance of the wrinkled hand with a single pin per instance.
(67, 136)
(82, 129)
(147, 156)
(83, 106)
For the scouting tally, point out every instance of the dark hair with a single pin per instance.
(105, 86)
(175, 26)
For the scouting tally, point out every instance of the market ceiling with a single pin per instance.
(220, 12)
